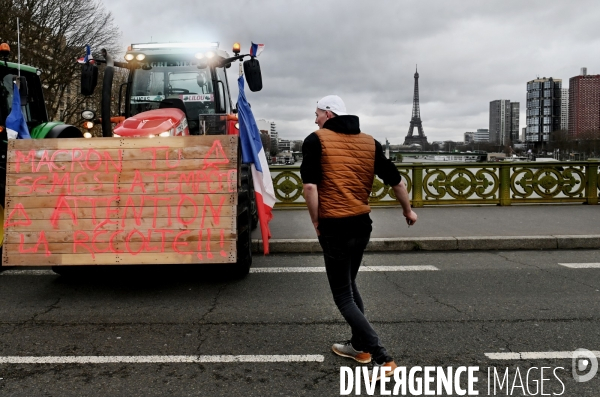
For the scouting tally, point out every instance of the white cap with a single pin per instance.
(333, 103)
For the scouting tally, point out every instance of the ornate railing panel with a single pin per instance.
(469, 183)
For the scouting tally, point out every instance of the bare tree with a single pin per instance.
(53, 35)
(265, 140)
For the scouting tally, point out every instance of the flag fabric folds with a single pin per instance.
(253, 153)
(16, 127)
(256, 49)
(88, 56)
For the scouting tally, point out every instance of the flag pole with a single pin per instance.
(18, 48)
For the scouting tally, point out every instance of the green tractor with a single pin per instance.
(33, 107)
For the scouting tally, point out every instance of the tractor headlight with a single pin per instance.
(87, 134)
(88, 114)
(129, 57)
(140, 57)
(210, 54)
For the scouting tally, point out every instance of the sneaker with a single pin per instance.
(392, 365)
(346, 350)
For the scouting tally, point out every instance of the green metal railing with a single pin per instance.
(500, 183)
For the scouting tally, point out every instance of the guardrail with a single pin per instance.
(500, 183)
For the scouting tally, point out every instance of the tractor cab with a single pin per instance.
(33, 105)
(191, 77)
(32, 98)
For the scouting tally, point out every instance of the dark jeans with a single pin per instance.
(343, 256)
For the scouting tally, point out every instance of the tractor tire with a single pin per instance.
(248, 185)
(2, 232)
(241, 267)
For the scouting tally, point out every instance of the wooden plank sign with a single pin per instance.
(105, 201)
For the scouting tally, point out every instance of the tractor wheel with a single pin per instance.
(1, 232)
(244, 241)
(248, 185)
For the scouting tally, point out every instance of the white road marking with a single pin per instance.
(362, 269)
(581, 265)
(305, 269)
(317, 358)
(533, 355)
(28, 273)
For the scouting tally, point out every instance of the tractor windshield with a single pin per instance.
(195, 87)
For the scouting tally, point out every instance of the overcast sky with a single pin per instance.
(469, 53)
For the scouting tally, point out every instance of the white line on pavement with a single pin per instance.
(317, 358)
(305, 269)
(28, 273)
(362, 269)
(581, 265)
(533, 355)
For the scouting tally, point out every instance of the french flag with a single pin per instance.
(88, 56)
(253, 153)
(256, 49)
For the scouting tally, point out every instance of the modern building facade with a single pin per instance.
(543, 108)
(504, 127)
(564, 109)
(271, 127)
(514, 121)
(584, 104)
(481, 135)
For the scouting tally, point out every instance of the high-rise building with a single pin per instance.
(504, 127)
(564, 109)
(543, 108)
(584, 104)
(514, 121)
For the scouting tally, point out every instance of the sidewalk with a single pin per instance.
(453, 228)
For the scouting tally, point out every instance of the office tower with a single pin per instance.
(584, 104)
(543, 108)
(564, 109)
(501, 121)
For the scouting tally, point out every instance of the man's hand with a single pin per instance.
(402, 197)
(411, 217)
(311, 196)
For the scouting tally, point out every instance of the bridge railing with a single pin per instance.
(500, 183)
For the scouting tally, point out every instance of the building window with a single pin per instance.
(547, 111)
(547, 102)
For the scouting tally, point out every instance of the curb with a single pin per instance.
(467, 243)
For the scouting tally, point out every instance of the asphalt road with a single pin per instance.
(475, 303)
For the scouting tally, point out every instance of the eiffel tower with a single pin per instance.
(421, 139)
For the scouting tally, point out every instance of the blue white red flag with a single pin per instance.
(253, 153)
(256, 49)
(16, 127)
(88, 56)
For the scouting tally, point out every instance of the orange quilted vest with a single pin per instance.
(348, 169)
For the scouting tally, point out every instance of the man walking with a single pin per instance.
(338, 167)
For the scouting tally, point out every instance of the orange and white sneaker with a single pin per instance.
(346, 350)
(388, 373)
